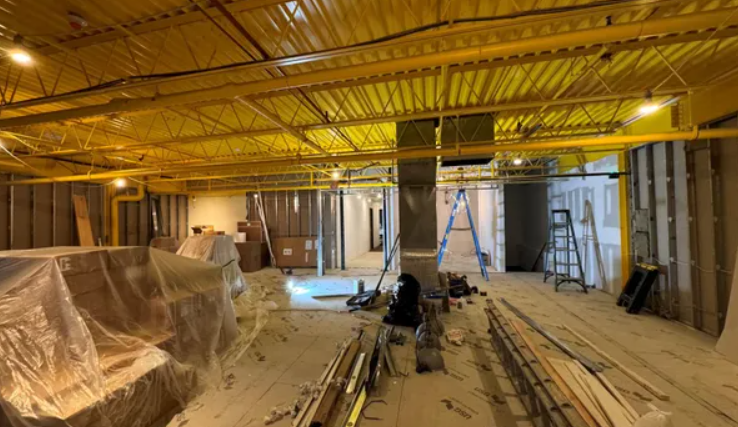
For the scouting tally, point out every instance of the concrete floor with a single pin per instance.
(302, 333)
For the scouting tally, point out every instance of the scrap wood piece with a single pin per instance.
(568, 377)
(546, 365)
(84, 228)
(635, 377)
(591, 366)
(325, 407)
(629, 410)
(607, 402)
(311, 405)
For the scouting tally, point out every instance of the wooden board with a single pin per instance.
(635, 377)
(629, 410)
(84, 228)
(563, 386)
(567, 376)
(607, 402)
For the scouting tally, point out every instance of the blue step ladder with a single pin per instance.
(461, 197)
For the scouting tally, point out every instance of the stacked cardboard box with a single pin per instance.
(254, 255)
(253, 230)
(296, 251)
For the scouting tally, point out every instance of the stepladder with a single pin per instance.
(462, 203)
(562, 260)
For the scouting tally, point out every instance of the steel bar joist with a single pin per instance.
(557, 42)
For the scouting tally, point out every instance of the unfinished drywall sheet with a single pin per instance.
(499, 221)
(356, 226)
(602, 193)
(487, 202)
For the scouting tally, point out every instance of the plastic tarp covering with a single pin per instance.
(107, 336)
(219, 250)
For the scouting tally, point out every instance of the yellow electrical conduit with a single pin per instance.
(477, 149)
(115, 214)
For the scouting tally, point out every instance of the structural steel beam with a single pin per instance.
(485, 148)
(457, 30)
(298, 131)
(563, 41)
(143, 26)
(259, 109)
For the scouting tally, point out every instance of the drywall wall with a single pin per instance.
(356, 227)
(487, 204)
(223, 213)
(526, 222)
(602, 193)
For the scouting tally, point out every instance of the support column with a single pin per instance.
(320, 258)
(623, 203)
(417, 190)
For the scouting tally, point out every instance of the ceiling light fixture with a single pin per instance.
(120, 182)
(336, 175)
(19, 54)
(649, 107)
(518, 161)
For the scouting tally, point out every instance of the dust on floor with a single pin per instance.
(302, 334)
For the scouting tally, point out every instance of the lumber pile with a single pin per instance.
(352, 372)
(596, 400)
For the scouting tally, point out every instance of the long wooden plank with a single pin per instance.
(546, 365)
(610, 406)
(635, 377)
(561, 368)
(629, 410)
(84, 228)
(584, 384)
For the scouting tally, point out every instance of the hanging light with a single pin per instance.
(649, 106)
(19, 54)
(518, 161)
(120, 182)
(256, 195)
(336, 175)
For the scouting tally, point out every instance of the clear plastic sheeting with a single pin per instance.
(107, 336)
(219, 250)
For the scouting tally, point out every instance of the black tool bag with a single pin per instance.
(403, 308)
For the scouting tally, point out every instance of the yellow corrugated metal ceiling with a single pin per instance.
(175, 83)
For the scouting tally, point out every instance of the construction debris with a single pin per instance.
(455, 336)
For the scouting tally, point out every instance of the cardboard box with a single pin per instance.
(252, 255)
(253, 231)
(296, 251)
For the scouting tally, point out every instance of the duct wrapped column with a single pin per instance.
(417, 187)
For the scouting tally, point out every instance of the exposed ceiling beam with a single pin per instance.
(554, 42)
(476, 149)
(298, 131)
(160, 22)
(413, 39)
(275, 120)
